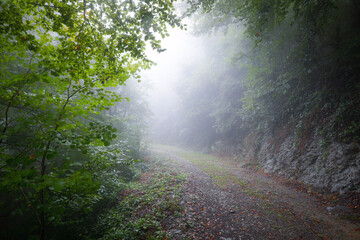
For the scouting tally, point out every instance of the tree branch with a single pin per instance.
(27, 200)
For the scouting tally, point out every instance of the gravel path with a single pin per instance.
(252, 206)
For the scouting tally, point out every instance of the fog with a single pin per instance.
(185, 96)
(269, 84)
(183, 50)
(211, 92)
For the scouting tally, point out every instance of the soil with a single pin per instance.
(265, 207)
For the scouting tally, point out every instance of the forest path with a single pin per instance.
(223, 200)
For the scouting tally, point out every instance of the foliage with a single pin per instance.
(211, 93)
(278, 63)
(60, 62)
(149, 201)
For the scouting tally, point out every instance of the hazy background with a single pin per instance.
(183, 50)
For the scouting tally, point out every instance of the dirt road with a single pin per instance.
(223, 200)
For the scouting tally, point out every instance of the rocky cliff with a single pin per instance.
(334, 166)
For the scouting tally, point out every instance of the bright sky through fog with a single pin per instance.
(182, 50)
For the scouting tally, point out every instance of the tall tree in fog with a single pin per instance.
(297, 65)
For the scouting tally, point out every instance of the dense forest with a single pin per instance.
(278, 86)
(271, 64)
(278, 75)
(69, 133)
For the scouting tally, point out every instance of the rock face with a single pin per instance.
(333, 166)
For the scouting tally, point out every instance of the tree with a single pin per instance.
(59, 60)
(300, 61)
(275, 64)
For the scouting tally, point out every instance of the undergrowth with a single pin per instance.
(145, 205)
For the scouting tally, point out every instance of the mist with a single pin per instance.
(251, 87)
(183, 51)
(231, 81)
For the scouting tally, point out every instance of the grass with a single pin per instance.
(217, 168)
(147, 203)
(206, 162)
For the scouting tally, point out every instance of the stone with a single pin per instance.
(175, 231)
(336, 167)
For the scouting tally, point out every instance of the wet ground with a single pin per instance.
(229, 202)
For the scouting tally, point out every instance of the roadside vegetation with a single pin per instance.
(146, 204)
(69, 137)
(73, 121)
